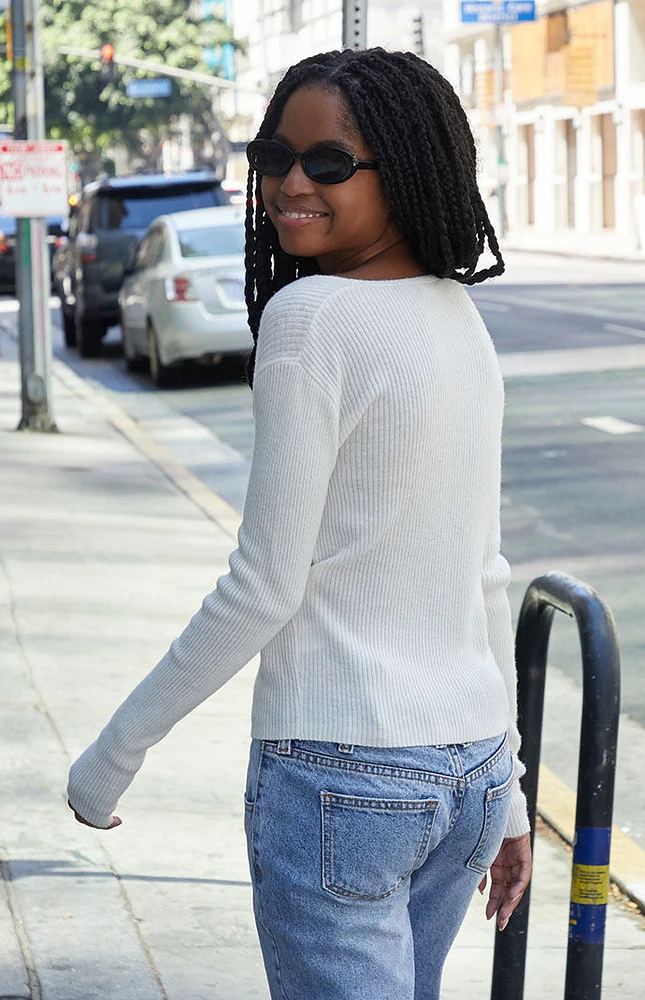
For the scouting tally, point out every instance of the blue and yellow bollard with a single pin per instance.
(596, 771)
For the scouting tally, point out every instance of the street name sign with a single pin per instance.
(161, 87)
(497, 11)
(33, 179)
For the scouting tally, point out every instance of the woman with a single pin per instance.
(383, 781)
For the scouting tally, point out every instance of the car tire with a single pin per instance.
(69, 328)
(162, 375)
(134, 361)
(88, 337)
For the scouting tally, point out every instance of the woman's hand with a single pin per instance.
(116, 820)
(510, 873)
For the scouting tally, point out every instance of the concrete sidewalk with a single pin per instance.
(102, 560)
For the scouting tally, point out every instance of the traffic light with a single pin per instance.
(107, 61)
(418, 45)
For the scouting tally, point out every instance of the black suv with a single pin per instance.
(106, 226)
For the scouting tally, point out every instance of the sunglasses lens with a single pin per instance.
(328, 166)
(269, 158)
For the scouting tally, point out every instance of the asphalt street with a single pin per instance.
(574, 464)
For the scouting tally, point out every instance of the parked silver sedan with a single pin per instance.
(183, 298)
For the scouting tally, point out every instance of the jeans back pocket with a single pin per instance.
(496, 807)
(370, 846)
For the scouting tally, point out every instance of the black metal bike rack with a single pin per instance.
(596, 770)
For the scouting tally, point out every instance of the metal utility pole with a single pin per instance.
(354, 24)
(32, 257)
(502, 168)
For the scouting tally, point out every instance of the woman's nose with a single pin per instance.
(296, 181)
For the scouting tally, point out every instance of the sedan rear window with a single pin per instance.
(219, 240)
(135, 208)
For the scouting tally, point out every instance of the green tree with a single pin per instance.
(93, 112)
(6, 104)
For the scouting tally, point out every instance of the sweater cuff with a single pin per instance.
(518, 819)
(88, 789)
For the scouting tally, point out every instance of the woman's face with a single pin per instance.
(350, 222)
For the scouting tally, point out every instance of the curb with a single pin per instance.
(217, 509)
(556, 801)
(557, 807)
(625, 258)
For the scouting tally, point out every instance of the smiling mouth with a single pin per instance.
(300, 216)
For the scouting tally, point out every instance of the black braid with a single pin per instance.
(411, 118)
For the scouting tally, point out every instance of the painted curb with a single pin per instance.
(557, 807)
(218, 510)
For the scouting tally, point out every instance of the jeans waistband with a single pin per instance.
(454, 763)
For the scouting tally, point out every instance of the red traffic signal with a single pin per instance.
(107, 61)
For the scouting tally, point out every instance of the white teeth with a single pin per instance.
(301, 215)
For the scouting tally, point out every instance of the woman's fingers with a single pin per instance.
(510, 874)
(116, 820)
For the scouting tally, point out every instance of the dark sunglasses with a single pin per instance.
(271, 158)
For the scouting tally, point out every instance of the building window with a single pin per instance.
(295, 15)
(557, 31)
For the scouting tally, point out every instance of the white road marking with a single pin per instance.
(572, 361)
(613, 425)
(495, 307)
(631, 331)
(13, 305)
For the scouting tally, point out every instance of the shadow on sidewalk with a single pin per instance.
(34, 868)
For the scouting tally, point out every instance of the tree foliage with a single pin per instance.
(6, 104)
(92, 111)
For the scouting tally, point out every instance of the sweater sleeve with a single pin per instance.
(295, 449)
(495, 580)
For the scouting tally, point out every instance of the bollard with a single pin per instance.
(596, 771)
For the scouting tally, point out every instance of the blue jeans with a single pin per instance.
(364, 860)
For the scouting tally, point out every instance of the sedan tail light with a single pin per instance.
(180, 289)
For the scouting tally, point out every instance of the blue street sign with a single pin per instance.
(497, 11)
(161, 87)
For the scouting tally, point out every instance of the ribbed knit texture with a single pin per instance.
(368, 569)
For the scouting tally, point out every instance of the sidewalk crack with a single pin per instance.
(21, 933)
(33, 982)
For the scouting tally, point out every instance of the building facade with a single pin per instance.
(278, 33)
(572, 115)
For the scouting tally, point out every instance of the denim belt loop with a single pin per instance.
(284, 747)
(346, 748)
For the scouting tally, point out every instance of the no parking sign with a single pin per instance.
(33, 179)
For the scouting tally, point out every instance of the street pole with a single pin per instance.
(354, 24)
(32, 257)
(499, 128)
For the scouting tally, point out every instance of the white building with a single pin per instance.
(573, 117)
(281, 32)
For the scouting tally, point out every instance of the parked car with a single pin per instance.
(56, 228)
(235, 192)
(184, 299)
(111, 217)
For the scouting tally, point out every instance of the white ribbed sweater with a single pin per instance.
(368, 569)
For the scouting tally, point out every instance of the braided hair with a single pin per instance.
(410, 116)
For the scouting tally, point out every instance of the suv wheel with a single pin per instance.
(162, 375)
(88, 337)
(69, 328)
